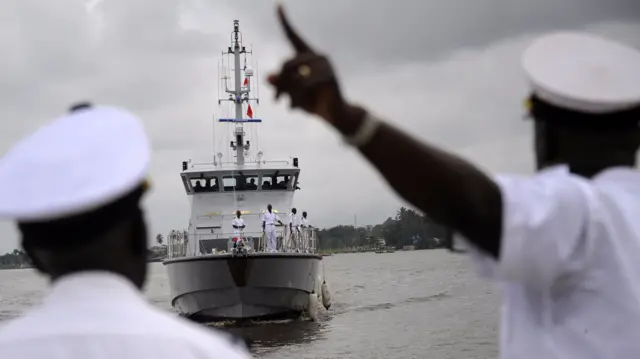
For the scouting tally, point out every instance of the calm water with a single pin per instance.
(422, 304)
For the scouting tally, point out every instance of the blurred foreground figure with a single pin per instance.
(566, 242)
(74, 187)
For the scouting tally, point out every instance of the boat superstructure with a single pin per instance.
(208, 280)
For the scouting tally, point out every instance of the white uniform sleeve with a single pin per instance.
(545, 230)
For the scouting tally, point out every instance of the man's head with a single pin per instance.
(304, 214)
(238, 213)
(294, 211)
(585, 102)
(88, 217)
(587, 150)
(112, 238)
(269, 208)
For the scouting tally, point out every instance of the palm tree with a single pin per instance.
(159, 239)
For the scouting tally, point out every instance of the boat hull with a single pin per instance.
(260, 285)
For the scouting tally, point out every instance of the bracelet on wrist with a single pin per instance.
(365, 131)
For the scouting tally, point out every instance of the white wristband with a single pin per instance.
(365, 132)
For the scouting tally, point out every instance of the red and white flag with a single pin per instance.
(249, 111)
(246, 81)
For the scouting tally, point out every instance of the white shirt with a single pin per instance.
(270, 218)
(98, 315)
(293, 219)
(239, 222)
(305, 222)
(570, 265)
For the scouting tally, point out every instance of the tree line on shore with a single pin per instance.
(407, 228)
(15, 259)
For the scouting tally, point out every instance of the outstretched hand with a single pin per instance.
(307, 78)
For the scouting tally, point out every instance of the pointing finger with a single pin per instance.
(298, 44)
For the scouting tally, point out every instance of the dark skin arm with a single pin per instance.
(451, 190)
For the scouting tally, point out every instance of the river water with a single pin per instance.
(418, 304)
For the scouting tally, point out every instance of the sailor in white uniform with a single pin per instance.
(294, 229)
(306, 231)
(238, 227)
(565, 243)
(74, 187)
(269, 220)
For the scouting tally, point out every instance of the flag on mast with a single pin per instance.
(249, 111)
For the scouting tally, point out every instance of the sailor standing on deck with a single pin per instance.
(564, 243)
(269, 220)
(294, 229)
(86, 232)
(238, 227)
(306, 231)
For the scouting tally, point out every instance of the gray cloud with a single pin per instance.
(377, 34)
(446, 71)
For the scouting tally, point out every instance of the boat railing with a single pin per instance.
(226, 163)
(303, 240)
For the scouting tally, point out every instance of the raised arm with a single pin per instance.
(451, 190)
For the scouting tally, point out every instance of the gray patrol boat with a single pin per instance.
(209, 279)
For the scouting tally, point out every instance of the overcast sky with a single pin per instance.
(446, 70)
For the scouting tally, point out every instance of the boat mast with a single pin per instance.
(238, 94)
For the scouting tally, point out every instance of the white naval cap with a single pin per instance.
(77, 163)
(584, 72)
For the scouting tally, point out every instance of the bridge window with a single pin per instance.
(240, 183)
(247, 183)
(205, 184)
(229, 183)
(277, 181)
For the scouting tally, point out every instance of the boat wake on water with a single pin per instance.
(338, 310)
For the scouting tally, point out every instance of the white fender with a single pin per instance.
(312, 310)
(326, 296)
